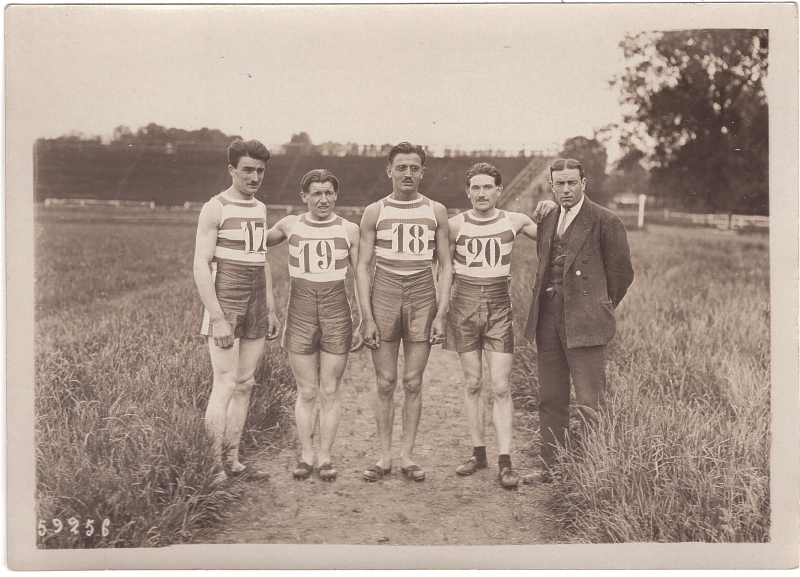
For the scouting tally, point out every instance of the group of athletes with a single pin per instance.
(420, 278)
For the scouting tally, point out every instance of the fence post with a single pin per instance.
(642, 200)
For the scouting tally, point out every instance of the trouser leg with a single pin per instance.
(554, 382)
(588, 368)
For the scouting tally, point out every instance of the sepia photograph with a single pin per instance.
(402, 286)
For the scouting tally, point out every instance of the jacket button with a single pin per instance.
(584, 261)
(585, 293)
(586, 278)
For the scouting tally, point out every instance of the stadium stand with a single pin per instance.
(178, 173)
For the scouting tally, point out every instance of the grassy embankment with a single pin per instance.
(684, 454)
(122, 380)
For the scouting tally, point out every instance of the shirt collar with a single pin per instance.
(575, 209)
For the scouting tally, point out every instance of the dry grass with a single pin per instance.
(684, 452)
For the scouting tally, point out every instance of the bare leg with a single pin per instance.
(225, 365)
(474, 401)
(304, 368)
(415, 359)
(250, 351)
(331, 369)
(385, 361)
(499, 365)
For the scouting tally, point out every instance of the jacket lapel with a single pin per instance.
(582, 227)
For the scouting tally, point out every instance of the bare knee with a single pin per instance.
(501, 391)
(224, 384)
(386, 384)
(245, 386)
(412, 384)
(307, 394)
(473, 385)
(328, 393)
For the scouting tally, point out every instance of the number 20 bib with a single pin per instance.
(483, 252)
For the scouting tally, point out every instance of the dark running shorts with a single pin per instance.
(242, 295)
(479, 318)
(318, 318)
(403, 306)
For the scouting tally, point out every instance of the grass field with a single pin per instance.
(122, 380)
(684, 455)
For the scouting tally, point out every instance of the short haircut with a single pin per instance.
(407, 148)
(566, 164)
(319, 175)
(252, 148)
(484, 168)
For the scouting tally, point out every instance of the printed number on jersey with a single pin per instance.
(409, 238)
(483, 252)
(255, 238)
(316, 256)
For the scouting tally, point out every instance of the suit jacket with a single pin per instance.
(597, 274)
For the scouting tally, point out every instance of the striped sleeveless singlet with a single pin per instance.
(405, 235)
(242, 234)
(483, 247)
(318, 250)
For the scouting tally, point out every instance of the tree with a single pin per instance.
(593, 157)
(122, 133)
(300, 144)
(694, 104)
(628, 176)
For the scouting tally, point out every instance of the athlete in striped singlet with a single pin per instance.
(235, 285)
(404, 231)
(319, 325)
(479, 320)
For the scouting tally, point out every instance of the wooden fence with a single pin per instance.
(727, 222)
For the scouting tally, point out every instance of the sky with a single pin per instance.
(472, 77)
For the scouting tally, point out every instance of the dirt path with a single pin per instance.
(445, 509)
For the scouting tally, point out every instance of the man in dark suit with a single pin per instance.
(583, 273)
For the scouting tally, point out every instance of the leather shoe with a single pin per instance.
(508, 478)
(250, 473)
(539, 476)
(471, 466)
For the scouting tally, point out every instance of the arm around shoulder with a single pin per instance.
(523, 224)
(279, 232)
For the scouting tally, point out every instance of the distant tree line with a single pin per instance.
(301, 144)
(156, 134)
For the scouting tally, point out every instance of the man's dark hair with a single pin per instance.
(566, 164)
(484, 168)
(251, 148)
(407, 148)
(319, 175)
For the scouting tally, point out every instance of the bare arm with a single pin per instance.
(353, 235)
(272, 317)
(366, 248)
(280, 230)
(443, 255)
(523, 224)
(205, 243)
